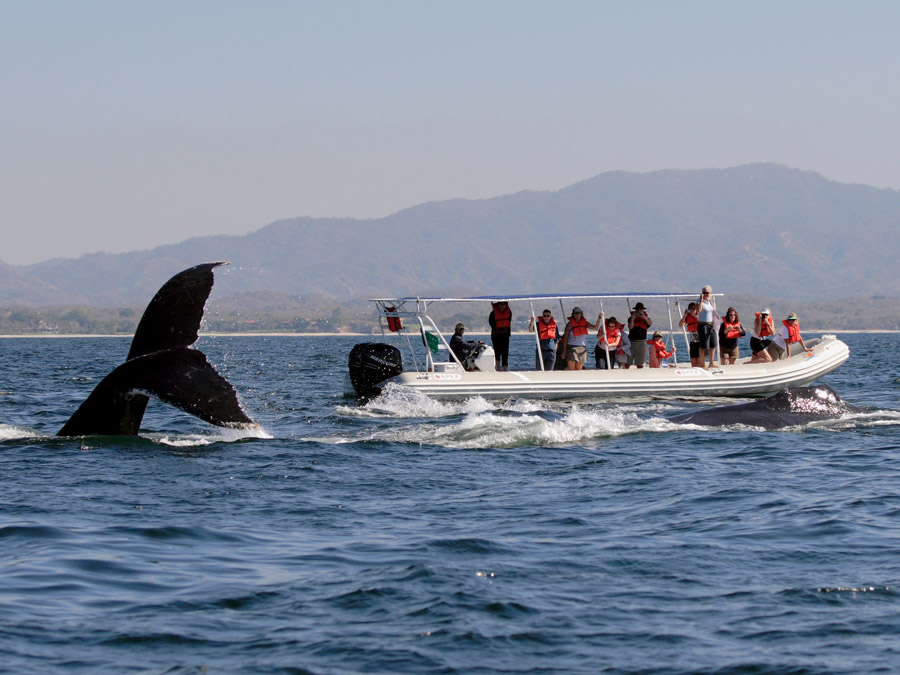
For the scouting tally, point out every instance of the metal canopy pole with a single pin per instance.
(671, 332)
(537, 337)
(605, 339)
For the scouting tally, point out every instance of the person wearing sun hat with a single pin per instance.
(761, 336)
(787, 334)
(638, 323)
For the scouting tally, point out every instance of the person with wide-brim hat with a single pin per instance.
(788, 334)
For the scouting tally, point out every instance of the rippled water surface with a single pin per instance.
(415, 536)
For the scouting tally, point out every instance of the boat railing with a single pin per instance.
(394, 315)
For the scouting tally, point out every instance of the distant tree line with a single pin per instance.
(874, 313)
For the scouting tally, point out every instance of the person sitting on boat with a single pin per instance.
(500, 320)
(729, 333)
(638, 323)
(787, 334)
(689, 323)
(575, 339)
(462, 348)
(707, 317)
(608, 342)
(623, 352)
(658, 350)
(548, 335)
(761, 337)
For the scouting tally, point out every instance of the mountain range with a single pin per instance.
(761, 229)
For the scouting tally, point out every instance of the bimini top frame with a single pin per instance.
(391, 311)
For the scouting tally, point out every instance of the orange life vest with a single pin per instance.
(502, 318)
(393, 322)
(660, 348)
(732, 330)
(764, 329)
(691, 323)
(546, 331)
(612, 334)
(793, 331)
(579, 326)
(639, 322)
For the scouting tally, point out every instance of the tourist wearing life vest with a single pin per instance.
(689, 323)
(574, 340)
(500, 320)
(658, 350)
(638, 323)
(761, 337)
(730, 332)
(548, 336)
(788, 334)
(608, 342)
(707, 318)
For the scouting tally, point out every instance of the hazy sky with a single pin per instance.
(126, 125)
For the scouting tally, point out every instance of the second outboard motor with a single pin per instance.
(372, 363)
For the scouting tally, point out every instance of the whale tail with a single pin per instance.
(161, 364)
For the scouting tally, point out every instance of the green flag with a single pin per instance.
(432, 341)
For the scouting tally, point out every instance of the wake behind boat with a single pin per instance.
(408, 321)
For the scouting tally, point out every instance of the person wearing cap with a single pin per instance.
(658, 350)
(787, 334)
(761, 336)
(574, 341)
(707, 318)
(638, 323)
(461, 348)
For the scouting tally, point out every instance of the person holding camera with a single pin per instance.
(638, 323)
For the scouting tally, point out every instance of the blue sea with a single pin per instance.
(409, 535)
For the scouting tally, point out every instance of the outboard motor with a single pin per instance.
(372, 363)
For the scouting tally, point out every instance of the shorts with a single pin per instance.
(638, 353)
(694, 348)
(705, 336)
(577, 354)
(621, 357)
(731, 352)
(775, 351)
(757, 345)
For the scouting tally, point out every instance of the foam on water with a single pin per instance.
(10, 432)
(400, 402)
(218, 435)
(511, 425)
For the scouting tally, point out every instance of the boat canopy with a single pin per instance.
(544, 296)
(392, 310)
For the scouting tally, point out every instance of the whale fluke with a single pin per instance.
(161, 364)
(788, 407)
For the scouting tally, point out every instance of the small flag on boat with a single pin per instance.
(433, 342)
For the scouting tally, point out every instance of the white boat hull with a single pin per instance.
(449, 381)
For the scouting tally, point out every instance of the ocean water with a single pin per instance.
(413, 536)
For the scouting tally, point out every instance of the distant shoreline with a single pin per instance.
(371, 335)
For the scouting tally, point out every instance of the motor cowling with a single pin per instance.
(371, 363)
